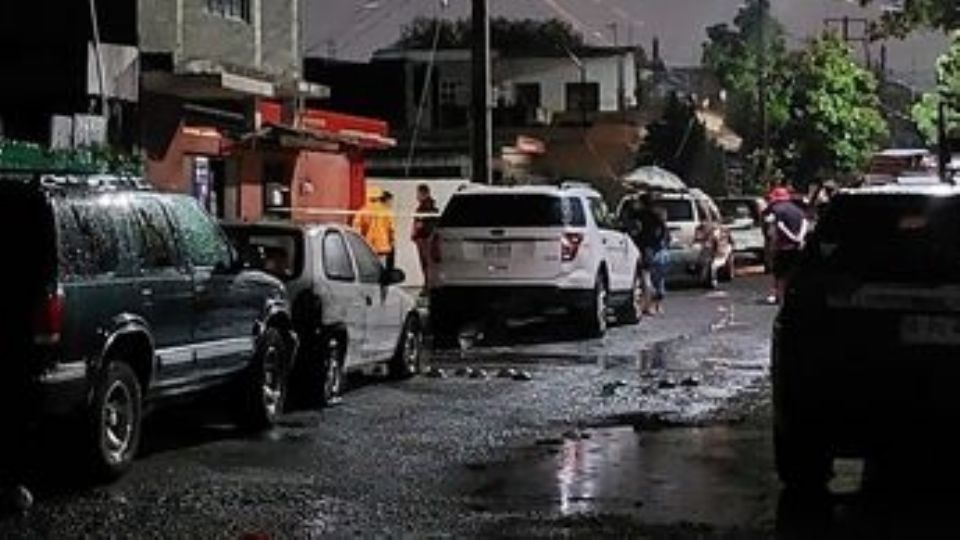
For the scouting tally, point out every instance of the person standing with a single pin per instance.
(374, 222)
(424, 223)
(652, 238)
(787, 224)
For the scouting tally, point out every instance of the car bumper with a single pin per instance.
(508, 300)
(864, 395)
(62, 389)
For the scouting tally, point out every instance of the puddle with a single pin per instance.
(710, 474)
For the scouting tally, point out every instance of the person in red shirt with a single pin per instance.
(424, 222)
(787, 227)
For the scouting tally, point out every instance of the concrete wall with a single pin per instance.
(553, 74)
(404, 203)
(183, 27)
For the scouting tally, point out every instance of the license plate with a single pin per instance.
(930, 330)
(496, 251)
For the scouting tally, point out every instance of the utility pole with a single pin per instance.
(482, 132)
(943, 153)
(762, 93)
(621, 90)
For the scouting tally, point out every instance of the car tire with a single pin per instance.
(632, 311)
(263, 393)
(595, 317)
(332, 353)
(114, 421)
(406, 361)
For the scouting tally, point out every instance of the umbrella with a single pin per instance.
(653, 179)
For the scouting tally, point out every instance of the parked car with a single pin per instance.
(346, 306)
(867, 338)
(743, 216)
(701, 246)
(532, 250)
(122, 300)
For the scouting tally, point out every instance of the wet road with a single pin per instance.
(657, 430)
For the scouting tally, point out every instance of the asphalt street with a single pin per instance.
(658, 430)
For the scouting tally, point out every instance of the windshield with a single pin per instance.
(903, 238)
(677, 209)
(282, 250)
(513, 210)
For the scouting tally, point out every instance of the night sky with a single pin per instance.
(353, 29)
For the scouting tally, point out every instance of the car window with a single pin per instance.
(336, 259)
(282, 252)
(90, 239)
(601, 214)
(512, 210)
(367, 261)
(676, 209)
(202, 241)
(153, 245)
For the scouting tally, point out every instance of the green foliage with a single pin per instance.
(22, 156)
(509, 36)
(926, 111)
(679, 143)
(734, 55)
(938, 14)
(835, 123)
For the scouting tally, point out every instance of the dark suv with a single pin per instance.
(867, 342)
(120, 299)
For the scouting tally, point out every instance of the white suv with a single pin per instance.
(535, 249)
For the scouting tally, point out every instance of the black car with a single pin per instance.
(121, 299)
(867, 342)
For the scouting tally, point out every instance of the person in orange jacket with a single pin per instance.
(375, 222)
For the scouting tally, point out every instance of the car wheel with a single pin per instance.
(406, 360)
(632, 311)
(115, 421)
(332, 354)
(595, 317)
(264, 390)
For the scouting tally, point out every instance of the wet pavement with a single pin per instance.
(658, 430)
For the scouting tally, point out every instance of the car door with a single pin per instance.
(615, 246)
(225, 305)
(166, 290)
(381, 302)
(340, 275)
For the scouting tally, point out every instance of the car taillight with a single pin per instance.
(569, 246)
(48, 321)
(435, 254)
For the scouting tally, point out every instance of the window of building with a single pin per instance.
(232, 9)
(527, 95)
(583, 97)
(450, 92)
(277, 199)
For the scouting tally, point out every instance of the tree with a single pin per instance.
(735, 55)
(835, 123)
(678, 142)
(926, 111)
(913, 14)
(508, 36)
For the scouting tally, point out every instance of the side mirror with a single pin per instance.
(252, 258)
(392, 276)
